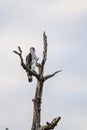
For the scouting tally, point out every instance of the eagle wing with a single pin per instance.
(28, 64)
(29, 60)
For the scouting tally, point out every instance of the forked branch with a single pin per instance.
(51, 125)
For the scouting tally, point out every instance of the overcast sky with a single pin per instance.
(22, 22)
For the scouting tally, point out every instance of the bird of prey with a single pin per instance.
(31, 60)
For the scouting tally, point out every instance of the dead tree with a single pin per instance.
(36, 122)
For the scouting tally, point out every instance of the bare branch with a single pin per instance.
(50, 75)
(51, 125)
(19, 48)
(44, 51)
(34, 73)
(16, 52)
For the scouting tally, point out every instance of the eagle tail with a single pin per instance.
(29, 77)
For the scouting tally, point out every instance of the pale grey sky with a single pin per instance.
(22, 23)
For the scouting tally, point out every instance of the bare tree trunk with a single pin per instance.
(36, 122)
(37, 106)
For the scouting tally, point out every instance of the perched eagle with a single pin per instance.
(31, 60)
